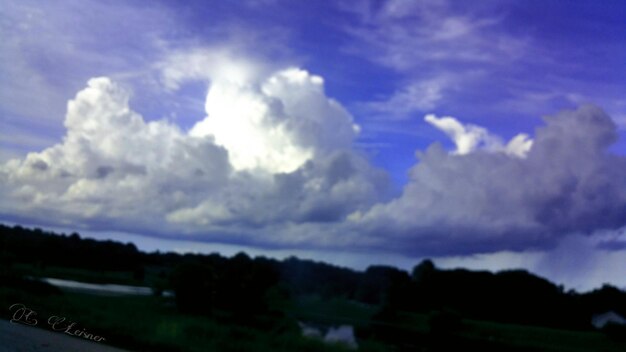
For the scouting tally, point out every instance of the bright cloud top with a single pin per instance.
(269, 119)
(278, 126)
(469, 137)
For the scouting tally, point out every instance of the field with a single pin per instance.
(260, 304)
(151, 323)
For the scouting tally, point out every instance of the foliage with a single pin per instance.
(243, 303)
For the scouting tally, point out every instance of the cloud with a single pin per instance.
(273, 153)
(111, 165)
(575, 262)
(469, 137)
(420, 95)
(52, 48)
(272, 164)
(439, 49)
(409, 33)
(579, 262)
(268, 118)
(450, 54)
(222, 64)
(277, 126)
(481, 201)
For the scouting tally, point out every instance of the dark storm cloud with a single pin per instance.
(488, 201)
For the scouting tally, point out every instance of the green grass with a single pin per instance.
(334, 311)
(409, 331)
(153, 324)
(541, 338)
(150, 323)
(513, 337)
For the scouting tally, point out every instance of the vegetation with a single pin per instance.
(256, 304)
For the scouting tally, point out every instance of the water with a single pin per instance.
(103, 289)
(343, 334)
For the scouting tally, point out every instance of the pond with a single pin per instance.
(102, 289)
(342, 334)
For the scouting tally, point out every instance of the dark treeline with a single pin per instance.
(43, 248)
(206, 284)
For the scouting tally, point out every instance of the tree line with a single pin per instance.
(245, 286)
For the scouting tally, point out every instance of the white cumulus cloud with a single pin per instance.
(273, 153)
(278, 125)
(469, 138)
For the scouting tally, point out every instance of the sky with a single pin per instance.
(484, 134)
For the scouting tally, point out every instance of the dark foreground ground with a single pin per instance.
(199, 303)
(21, 338)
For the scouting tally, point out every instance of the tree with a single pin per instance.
(195, 286)
(423, 271)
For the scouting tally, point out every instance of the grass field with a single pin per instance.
(153, 324)
(150, 323)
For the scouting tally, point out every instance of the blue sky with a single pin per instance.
(351, 131)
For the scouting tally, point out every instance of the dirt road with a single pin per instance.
(21, 338)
